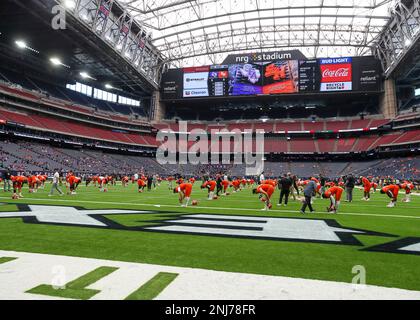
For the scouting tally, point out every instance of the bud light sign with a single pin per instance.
(336, 74)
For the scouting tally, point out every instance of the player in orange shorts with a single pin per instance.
(265, 191)
(225, 185)
(367, 186)
(18, 182)
(236, 184)
(73, 183)
(142, 184)
(408, 187)
(125, 181)
(334, 194)
(33, 184)
(184, 190)
(211, 186)
(391, 191)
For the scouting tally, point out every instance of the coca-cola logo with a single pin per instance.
(336, 72)
(339, 73)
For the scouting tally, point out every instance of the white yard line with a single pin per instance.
(73, 201)
(30, 270)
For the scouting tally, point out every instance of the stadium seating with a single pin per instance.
(73, 128)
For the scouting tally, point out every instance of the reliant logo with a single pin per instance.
(368, 79)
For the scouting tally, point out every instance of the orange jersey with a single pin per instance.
(407, 186)
(225, 184)
(267, 188)
(211, 185)
(186, 189)
(270, 182)
(393, 188)
(72, 180)
(236, 184)
(32, 179)
(336, 192)
(366, 184)
(141, 183)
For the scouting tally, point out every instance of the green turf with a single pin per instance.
(285, 258)
(75, 289)
(6, 259)
(153, 287)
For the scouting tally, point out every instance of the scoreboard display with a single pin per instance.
(308, 76)
(357, 74)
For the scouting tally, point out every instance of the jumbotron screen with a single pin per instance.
(286, 76)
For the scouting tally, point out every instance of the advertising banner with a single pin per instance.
(336, 74)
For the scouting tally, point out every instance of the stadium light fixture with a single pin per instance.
(57, 62)
(108, 86)
(70, 4)
(21, 44)
(408, 42)
(86, 75)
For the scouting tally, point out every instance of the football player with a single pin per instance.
(265, 192)
(391, 191)
(184, 190)
(334, 194)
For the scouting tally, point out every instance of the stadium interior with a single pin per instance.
(87, 87)
(51, 104)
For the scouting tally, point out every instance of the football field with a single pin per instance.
(230, 234)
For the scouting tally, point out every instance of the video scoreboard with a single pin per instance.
(287, 76)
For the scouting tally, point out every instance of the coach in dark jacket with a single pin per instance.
(7, 176)
(284, 185)
(350, 183)
(308, 192)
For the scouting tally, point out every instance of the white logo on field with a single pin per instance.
(255, 227)
(66, 215)
(307, 230)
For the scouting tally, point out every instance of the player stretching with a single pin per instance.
(408, 187)
(265, 191)
(236, 184)
(184, 190)
(211, 186)
(392, 192)
(225, 185)
(18, 182)
(367, 185)
(73, 182)
(142, 184)
(334, 194)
